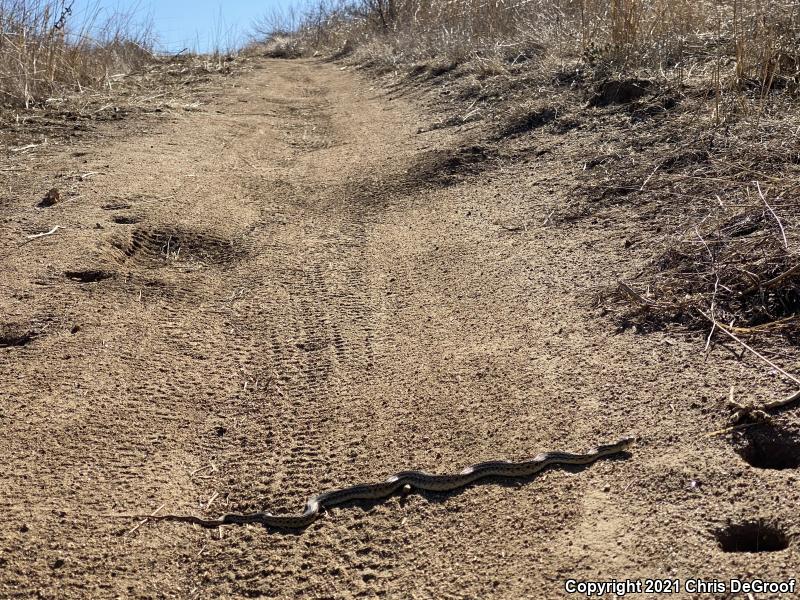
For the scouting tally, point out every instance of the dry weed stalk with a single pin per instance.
(740, 44)
(42, 55)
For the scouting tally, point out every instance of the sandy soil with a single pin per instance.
(285, 292)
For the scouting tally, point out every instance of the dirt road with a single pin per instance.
(277, 295)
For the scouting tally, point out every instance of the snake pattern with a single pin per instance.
(419, 480)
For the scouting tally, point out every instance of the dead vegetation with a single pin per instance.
(58, 78)
(693, 109)
(724, 233)
(735, 45)
(44, 56)
(739, 271)
(164, 85)
(283, 46)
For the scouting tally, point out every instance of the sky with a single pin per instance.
(200, 25)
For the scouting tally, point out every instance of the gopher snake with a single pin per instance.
(415, 479)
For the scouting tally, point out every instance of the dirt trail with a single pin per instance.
(265, 299)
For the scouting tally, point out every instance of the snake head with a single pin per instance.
(627, 441)
(620, 446)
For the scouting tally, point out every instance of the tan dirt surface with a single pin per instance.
(281, 293)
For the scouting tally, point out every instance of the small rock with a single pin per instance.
(50, 198)
(58, 563)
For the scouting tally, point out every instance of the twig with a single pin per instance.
(758, 413)
(38, 235)
(716, 286)
(28, 147)
(30, 238)
(743, 168)
(204, 468)
(143, 521)
(649, 177)
(101, 109)
(628, 291)
(729, 429)
(764, 327)
(781, 403)
(774, 281)
(211, 500)
(783, 233)
(751, 349)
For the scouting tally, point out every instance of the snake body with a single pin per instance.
(419, 480)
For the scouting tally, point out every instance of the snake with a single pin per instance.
(419, 480)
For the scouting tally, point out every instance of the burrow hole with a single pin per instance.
(751, 536)
(769, 448)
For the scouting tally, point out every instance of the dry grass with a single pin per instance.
(59, 78)
(729, 245)
(42, 55)
(160, 87)
(694, 108)
(737, 44)
(282, 46)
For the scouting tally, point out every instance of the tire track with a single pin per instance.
(308, 329)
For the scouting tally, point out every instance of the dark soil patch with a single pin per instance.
(447, 167)
(439, 69)
(619, 92)
(12, 334)
(51, 198)
(89, 275)
(126, 219)
(526, 121)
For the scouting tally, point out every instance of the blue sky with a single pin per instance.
(195, 24)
